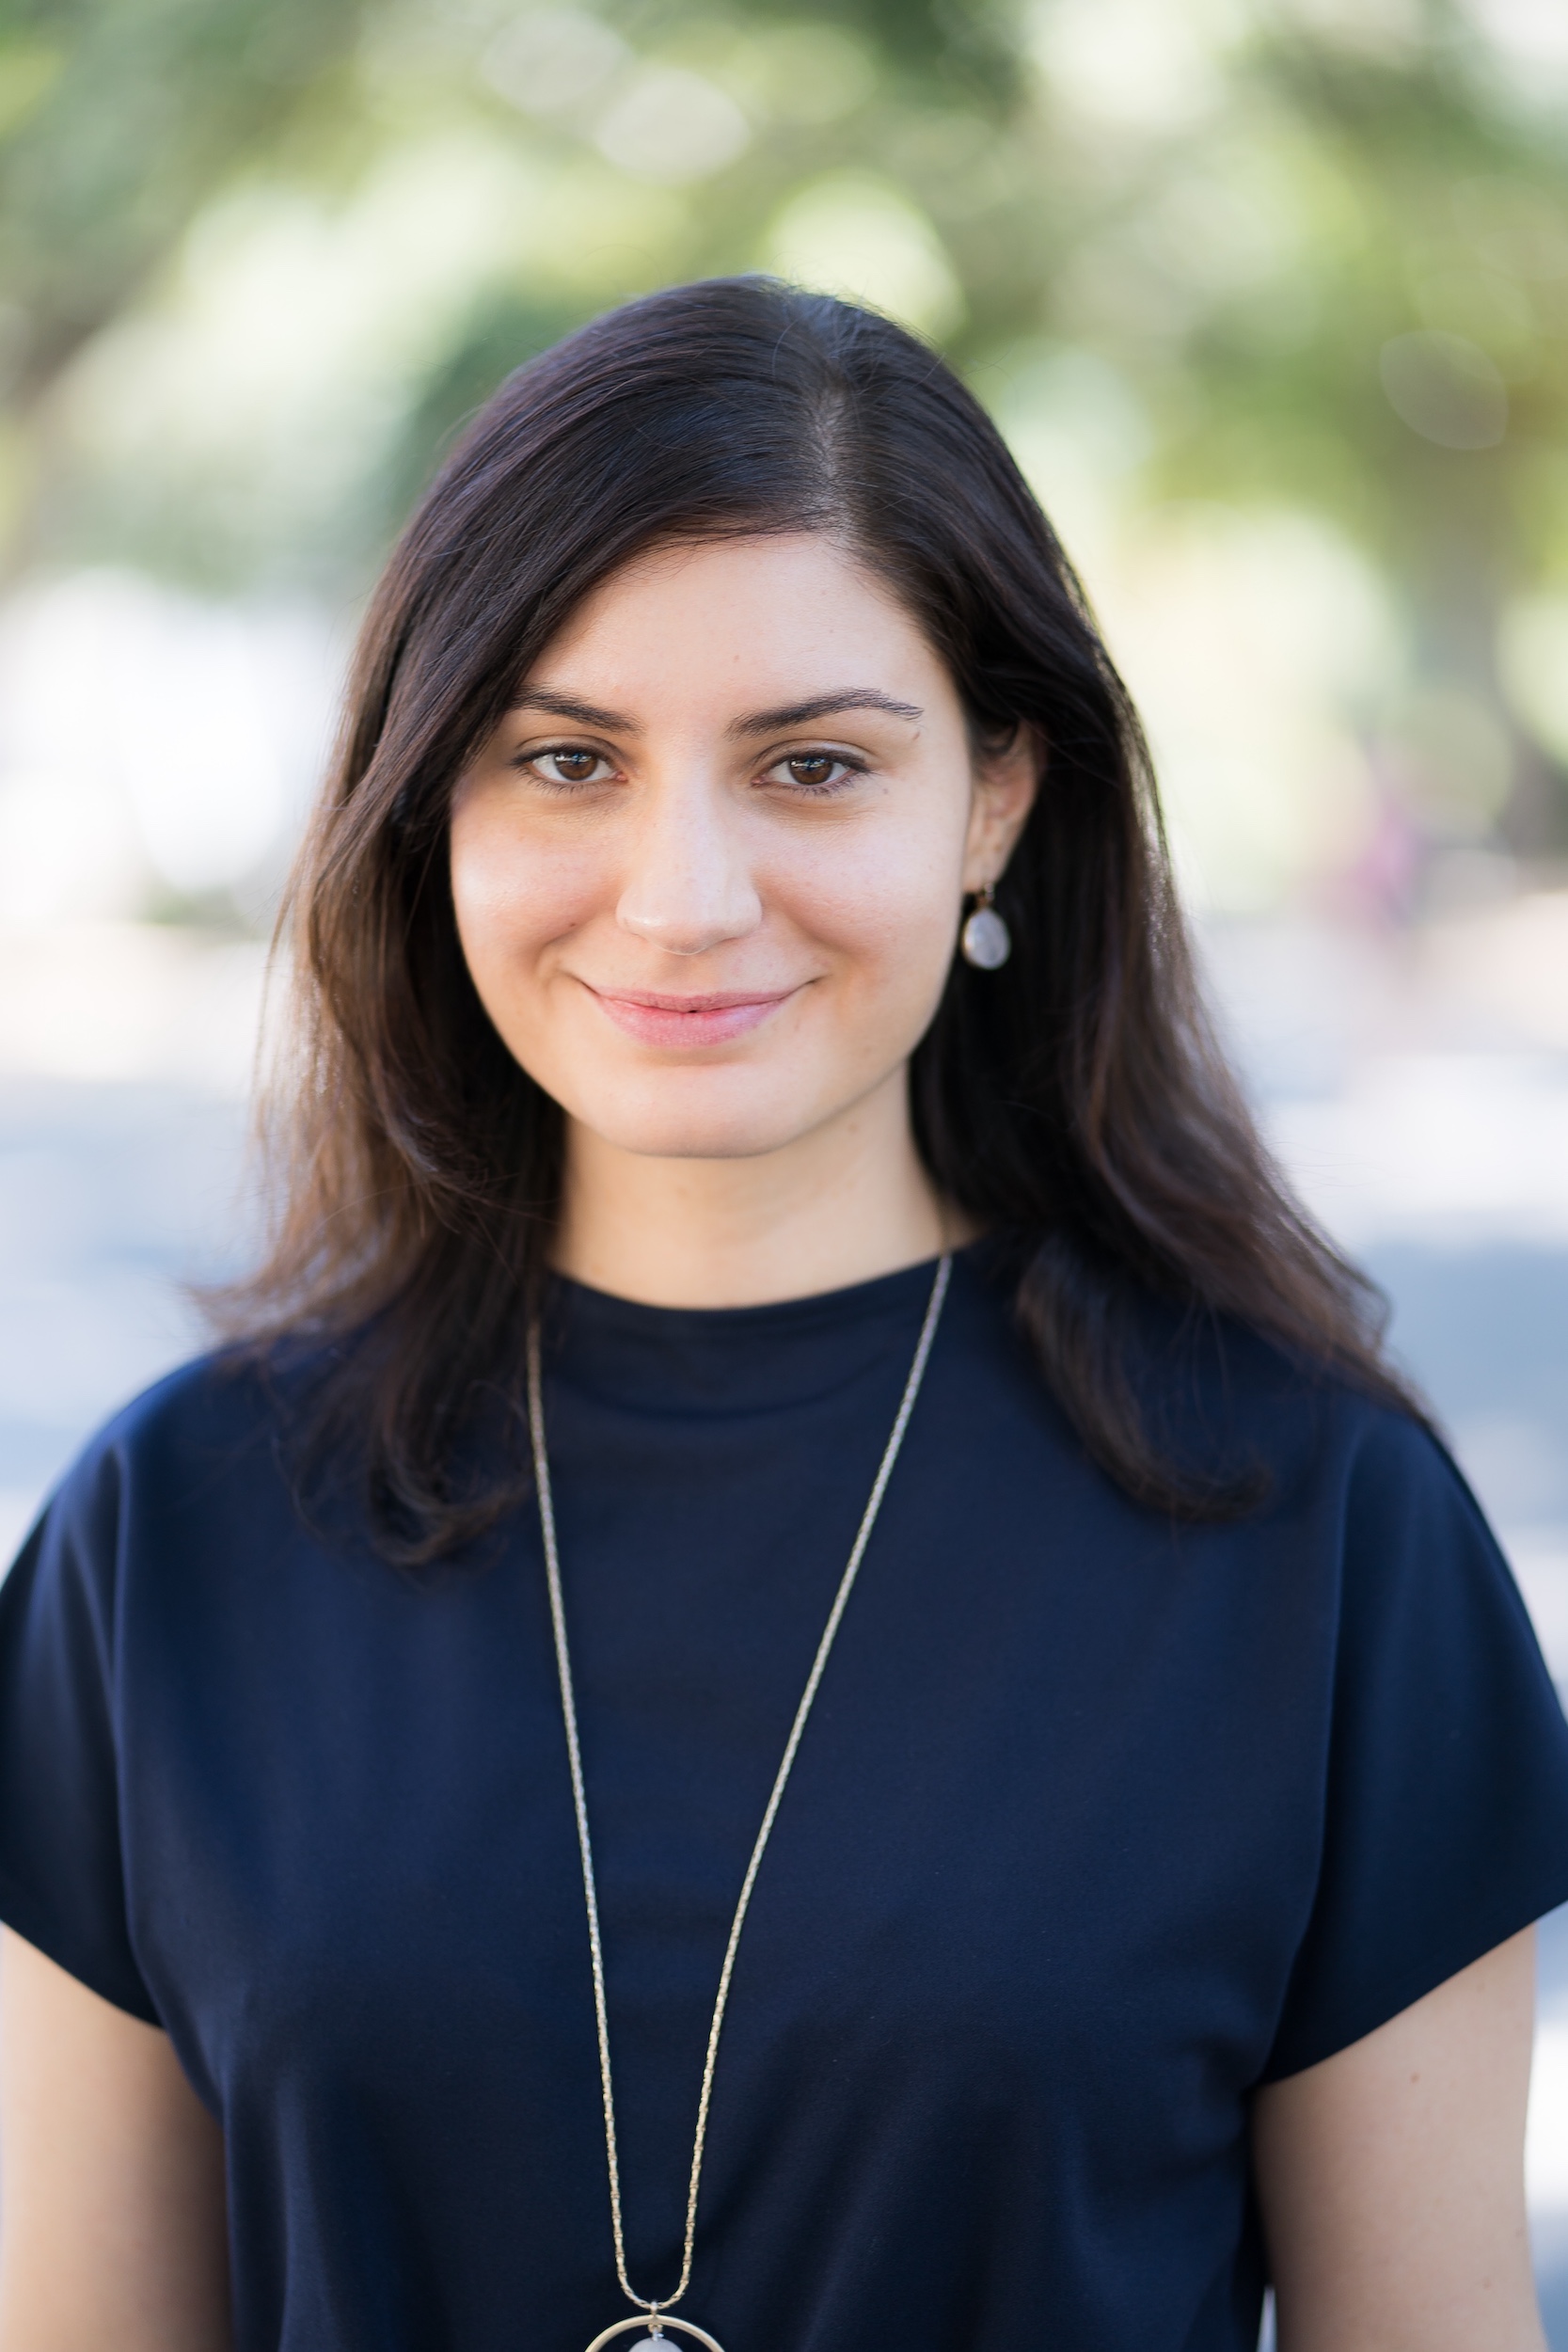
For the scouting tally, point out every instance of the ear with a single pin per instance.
(1006, 779)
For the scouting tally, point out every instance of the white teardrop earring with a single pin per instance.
(985, 940)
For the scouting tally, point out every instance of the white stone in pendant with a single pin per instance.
(986, 940)
(659, 2342)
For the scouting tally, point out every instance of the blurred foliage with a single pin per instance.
(119, 122)
(260, 258)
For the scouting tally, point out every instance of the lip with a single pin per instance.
(656, 1019)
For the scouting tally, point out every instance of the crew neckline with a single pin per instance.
(607, 1310)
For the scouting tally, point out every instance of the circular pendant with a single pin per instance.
(664, 2323)
(986, 940)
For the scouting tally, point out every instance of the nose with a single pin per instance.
(688, 884)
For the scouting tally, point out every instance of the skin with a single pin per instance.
(614, 875)
(113, 2223)
(1392, 2177)
(706, 845)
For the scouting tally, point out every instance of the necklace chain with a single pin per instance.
(579, 1800)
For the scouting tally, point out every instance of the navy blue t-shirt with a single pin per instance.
(1099, 1823)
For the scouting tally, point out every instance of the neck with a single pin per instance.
(841, 1205)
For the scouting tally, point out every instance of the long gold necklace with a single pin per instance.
(656, 2315)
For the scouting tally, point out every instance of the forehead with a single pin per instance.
(756, 620)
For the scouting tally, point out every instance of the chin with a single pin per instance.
(665, 1121)
(697, 1138)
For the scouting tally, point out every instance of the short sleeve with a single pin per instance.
(1446, 1804)
(62, 1876)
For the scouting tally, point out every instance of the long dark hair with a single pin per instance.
(1073, 1103)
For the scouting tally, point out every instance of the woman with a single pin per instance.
(701, 1191)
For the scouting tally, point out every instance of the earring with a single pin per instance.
(985, 940)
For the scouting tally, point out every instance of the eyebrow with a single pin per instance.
(823, 706)
(568, 706)
(756, 723)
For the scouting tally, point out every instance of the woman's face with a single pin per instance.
(708, 873)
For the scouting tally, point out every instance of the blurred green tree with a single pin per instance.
(119, 122)
(1306, 252)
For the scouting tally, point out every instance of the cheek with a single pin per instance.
(512, 896)
(887, 901)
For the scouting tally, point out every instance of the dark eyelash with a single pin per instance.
(839, 759)
(521, 760)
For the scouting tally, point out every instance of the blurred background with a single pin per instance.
(1271, 297)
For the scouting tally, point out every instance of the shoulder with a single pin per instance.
(207, 1436)
(1311, 1441)
(1324, 1441)
(1393, 1466)
(1229, 1406)
(1421, 1565)
(1379, 1478)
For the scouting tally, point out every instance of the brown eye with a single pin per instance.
(571, 764)
(821, 774)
